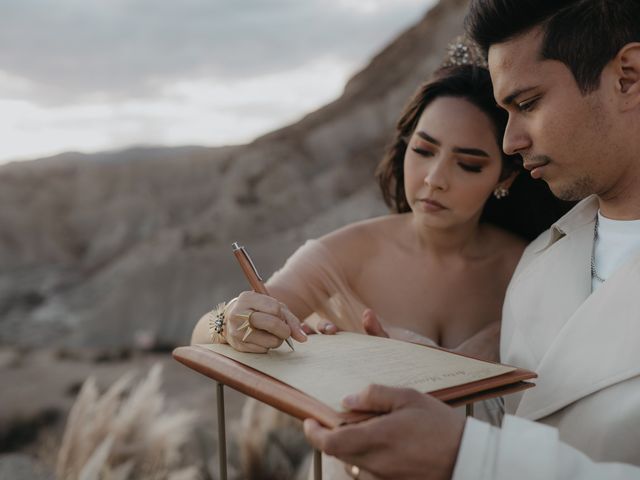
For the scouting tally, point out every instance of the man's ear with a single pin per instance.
(627, 66)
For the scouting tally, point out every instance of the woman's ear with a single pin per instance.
(508, 181)
(627, 70)
(501, 189)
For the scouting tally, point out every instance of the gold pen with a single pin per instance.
(253, 277)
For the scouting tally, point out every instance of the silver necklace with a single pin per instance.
(594, 273)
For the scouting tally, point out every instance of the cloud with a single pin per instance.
(54, 52)
(185, 112)
(105, 74)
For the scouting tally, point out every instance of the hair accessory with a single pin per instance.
(500, 192)
(464, 51)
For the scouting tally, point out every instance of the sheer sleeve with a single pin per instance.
(314, 277)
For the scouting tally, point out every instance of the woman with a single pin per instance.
(436, 271)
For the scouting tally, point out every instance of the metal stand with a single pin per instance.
(222, 440)
(317, 465)
(469, 409)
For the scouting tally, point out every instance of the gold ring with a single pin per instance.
(246, 324)
(247, 333)
(247, 319)
(246, 315)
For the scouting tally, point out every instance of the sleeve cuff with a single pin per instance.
(477, 452)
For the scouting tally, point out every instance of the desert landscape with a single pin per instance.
(108, 260)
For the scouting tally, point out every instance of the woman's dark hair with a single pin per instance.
(529, 209)
(585, 35)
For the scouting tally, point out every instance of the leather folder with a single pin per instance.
(290, 400)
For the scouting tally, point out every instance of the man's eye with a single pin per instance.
(470, 168)
(527, 105)
(422, 151)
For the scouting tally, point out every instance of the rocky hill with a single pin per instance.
(131, 247)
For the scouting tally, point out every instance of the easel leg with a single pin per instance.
(317, 465)
(222, 440)
(469, 409)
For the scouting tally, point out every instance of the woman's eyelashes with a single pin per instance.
(470, 168)
(422, 151)
(426, 152)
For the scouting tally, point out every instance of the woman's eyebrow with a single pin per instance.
(476, 152)
(425, 136)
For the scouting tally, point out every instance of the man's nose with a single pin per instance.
(516, 139)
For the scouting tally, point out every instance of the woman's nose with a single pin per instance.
(437, 176)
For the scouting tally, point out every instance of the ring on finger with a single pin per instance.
(247, 333)
(247, 319)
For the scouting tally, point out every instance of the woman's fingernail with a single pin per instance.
(301, 330)
(350, 401)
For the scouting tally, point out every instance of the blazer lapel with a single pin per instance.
(545, 295)
(596, 348)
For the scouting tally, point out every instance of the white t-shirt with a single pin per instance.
(618, 241)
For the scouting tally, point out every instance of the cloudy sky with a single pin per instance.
(89, 75)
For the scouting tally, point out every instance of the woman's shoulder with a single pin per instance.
(365, 232)
(353, 243)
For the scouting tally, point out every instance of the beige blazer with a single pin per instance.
(585, 348)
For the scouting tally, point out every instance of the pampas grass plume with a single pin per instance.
(120, 436)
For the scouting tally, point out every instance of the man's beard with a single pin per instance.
(578, 189)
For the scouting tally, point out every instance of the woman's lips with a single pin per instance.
(431, 205)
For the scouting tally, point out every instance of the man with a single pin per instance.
(568, 73)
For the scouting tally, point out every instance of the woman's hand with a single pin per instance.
(316, 324)
(372, 324)
(270, 321)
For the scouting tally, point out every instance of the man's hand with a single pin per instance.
(417, 438)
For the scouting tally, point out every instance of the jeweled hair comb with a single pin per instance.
(464, 51)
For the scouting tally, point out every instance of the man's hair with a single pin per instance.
(585, 35)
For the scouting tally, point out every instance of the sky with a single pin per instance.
(93, 75)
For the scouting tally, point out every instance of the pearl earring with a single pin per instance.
(500, 192)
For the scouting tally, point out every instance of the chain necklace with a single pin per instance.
(594, 273)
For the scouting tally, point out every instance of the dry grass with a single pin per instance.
(127, 433)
